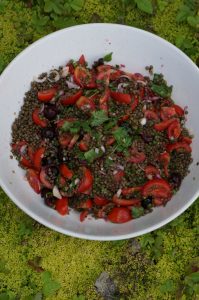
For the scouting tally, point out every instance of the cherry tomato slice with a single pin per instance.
(25, 162)
(39, 154)
(123, 119)
(179, 110)
(73, 141)
(100, 201)
(135, 103)
(119, 215)
(33, 180)
(84, 143)
(69, 100)
(83, 77)
(110, 141)
(167, 112)
(86, 204)
(85, 104)
(46, 95)
(131, 190)
(174, 130)
(151, 172)
(136, 156)
(83, 215)
(165, 159)
(121, 97)
(65, 171)
(118, 176)
(82, 60)
(44, 180)
(186, 139)
(163, 125)
(103, 101)
(64, 139)
(86, 182)
(61, 206)
(37, 119)
(150, 115)
(157, 188)
(125, 202)
(179, 146)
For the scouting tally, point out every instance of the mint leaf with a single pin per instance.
(122, 137)
(91, 155)
(98, 118)
(50, 287)
(162, 90)
(145, 6)
(108, 57)
(137, 212)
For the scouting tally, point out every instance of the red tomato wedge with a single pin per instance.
(65, 171)
(121, 98)
(118, 176)
(86, 182)
(119, 215)
(73, 141)
(46, 95)
(84, 143)
(179, 146)
(64, 139)
(82, 60)
(84, 78)
(69, 100)
(86, 204)
(151, 172)
(151, 115)
(100, 201)
(136, 156)
(44, 179)
(25, 162)
(174, 130)
(61, 122)
(131, 190)
(110, 141)
(125, 202)
(135, 103)
(163, 125)
(37, 119)
(186, 139)
(157, 188)
(33, 180)
(83, 215)
(39, 154)
(61, 206)
(103, 101)
(85, 104)
(179, 110)
(165, 159)
(167, 112)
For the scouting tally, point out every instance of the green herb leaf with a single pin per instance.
(145, 6)
(122, 137)
(137, 212)
(98, 118)
(108, 57)
(50, 287)
(91, 155)
(109, 125)
(162, 90)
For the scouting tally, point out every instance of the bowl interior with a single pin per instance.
(135, 49)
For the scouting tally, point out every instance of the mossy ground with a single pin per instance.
(28, 250)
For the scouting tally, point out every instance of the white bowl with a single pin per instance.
(134, 48)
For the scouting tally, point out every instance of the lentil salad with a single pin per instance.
(101, 140)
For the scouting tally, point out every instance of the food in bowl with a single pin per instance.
(102, 141)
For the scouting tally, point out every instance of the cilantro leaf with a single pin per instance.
(137, 212)
(98, 118)
(49, 285)
(108, 57)
(109, 125)
(122, 137)
(91, 155)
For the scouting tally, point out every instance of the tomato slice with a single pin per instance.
(157, 188)
(150, 115)
(64, 139)
(73, 141)
(37, 119)
(179, 110)
(100, 201)
(163, 125)
(167, 112)
(33, 180)
(61, 206)
(118, 176)
(151, 172)
(61, 122)
(46, 95)
(44, 180)
(131, 190)
(83, 215)
(65, 171)
(135, 103)
(179, 146)
(136, 156)
(86, 204)
(103, 101)
(82, 60)
(84, 78)
(39, 154)
(123, 119)
(86, 182)
(84, 143)
(186, 139)
(119, 215)
(125, 202)
(165, 159)
(25, 162)
(85, 104)
(110, 141)
(69, 100)
(174, 130)
(121, 97)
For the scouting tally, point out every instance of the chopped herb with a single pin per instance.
(91, 155)
(98, 118)
(122, 137)
(137, 212)
(160, 87)
(109, 125)
(108, 57)
(75, 127)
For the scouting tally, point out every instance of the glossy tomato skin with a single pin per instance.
(121, 97)
(167, 112)
(83, 215)
(44, 180)
(151, 171)
(82, 60)
(179, 146)
(84, 78)
(33, 179)
(165, 159)
(174, 130)
(103, 101)
(37, 118)
(119, 215)
(157, 188)
(136, 156)
(126, 202)
(85, 104)
(164, 124)
(70, 100)
(179, 110)
(151, 115)
(38, 155)
(65, 171)
(46, 95)
(62, 206)
(131, 190)
(100, 201)
(86, 182)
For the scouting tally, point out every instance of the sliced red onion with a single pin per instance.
(76, 181)
(72, 85)
(119, 192)
(56, 192)
(60, 93)
(121, 86)
(115, 172)
(120, 167)
(42, 108)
